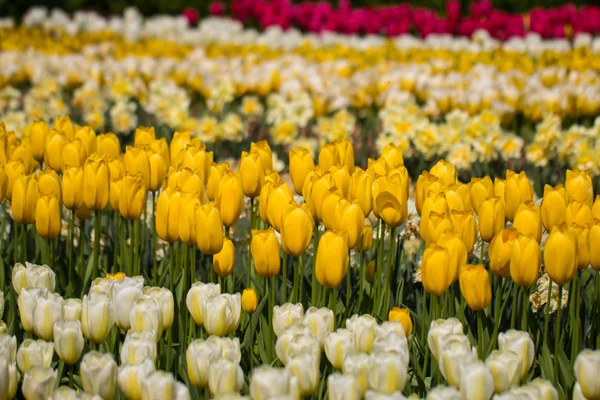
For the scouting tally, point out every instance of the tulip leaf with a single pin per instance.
(88, 272)
(565, 368)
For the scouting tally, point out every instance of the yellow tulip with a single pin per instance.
(370, 272)
(458, 197)
(264, 248)
(64, 126)
(115, 193)
(475, 286)
(436, 225)
(49, 183)
(424, 183)
(392, 154)
(390, 202)
(328, 156)
(136, 162)
(39, 132)
(115, 168)
(402, 315)
(579, 186)
(435, 274)
(73, 155)
(554, 206)
(197, 159)
(500, 250)
(209, 229)
(434, 203)
(217, 171)
(560, 254)
(345, 153)
(481, 190)
(188, 205)
(96, 183)
(252, 174)
(144, 136)
(583, 249)
(353, 222)
(341, 178)
(23, 153)
(360, 190)
(528, 220)
(132, 198)
(332, 258)
(178, 144)
(263, 201)
(262, 148)
(249, 300)
(367, 237)
(72, 188)
(596, 208)
(320, 185)
(230, 198)
(377, 168)
(445, 171)
(3, 185)
(465, 226)
(47, 217)
(333, 207)
(301, 162)
(517, 190)
(578, 213)
(224, 261)
(499, 188)
(55, 143)
(296, 229)
(189, 182)
(158, 171)
(161, 147)
(14, 170)
(594, 249)
(83, 213)
(24, 199)
(524, 260)
(88, 140)
(109, 146)
(491, 218)
(457, 252)
(167, 215)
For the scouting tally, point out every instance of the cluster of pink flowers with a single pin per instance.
(402, 19)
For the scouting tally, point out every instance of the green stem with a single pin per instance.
(388, 273)
(481, 253)
(348, 285)
(122, 246)
(70, 247)
(142, 238)
(81, 249)
(114, 242)
(332, 305)
(24, 243)
(172, 288)
(154, 237)
(575, 321)
(513, 312)
(296, 273)
(547, 311)
(97, 228)
(497, 310)
(271, 305)
(192, 266)
(250, 226)
(525, 301)
(557, 337)
(594, 332)
(379, 266)
(480, 340)
(284, 279)
(313, 288)
(361, 274)
(301, 278)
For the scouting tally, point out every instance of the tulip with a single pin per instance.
(334, 204)
(132, 200)
(491, 218)
(579, 187)
(249, 300)
(97, 317)
(285, 316)
(167, 215)
(388, 373)
(200, 355)
(302, 344)
(25, 195)
(46, 312)
(277, 201)
(268, 382)
(458, 197)
(455, 353)
(131, 378)
(500, 250)
(560, 254)
(68, 340)
(39, 132)
(332, 258)
(301, 162)
(318, 190)
(577, 392)
(360, 190)
(596, 208)
(146, 314)
(27, 300)
(367, 237)
(343, 387)
(99, 374)
(224, 260)
(221, 314)
(505, 367)
(390, 200)
(198, 160)
(402, 315)
(109, 146)
(305, 369)
(162, 385)
(138, 347)
(230, 198)
(440, 328)
(88, 139)
(338, 344)
(73, 155)
(197, 296)
(39, 383)
(83, 213)
(594, 251)
(13, 170)
(475, 286)
(34, 353)
(578, 213)
(341, 178)
(524, 261)
(299, 334)
(585, 367)
(320, 321)
(328, 156)
(72, 309)
(209, 229)
(437, 224)
(158, 171)
(72, 188)
(481, 190)
(345, 153)
(392, 154)
(265, 252)
(358, 365)
(583, 248)
(55, 143)
(528, 220)
(216, 174)
(465, 226)
(520, 343)
(445, 171)
(476, 382)
(517, 190)
(178, 143)
(225, 376)
(49, 183)
(164, 298)
(137, 162)
(96, 183)
(435, 274)
(426, 184)
(252, 174)
(296, 229)
(47, 220)
(262, 148)
(554, 206)
(392, 343)
(545, 389)
(442, 392)
(123, 294)
(9, 378)
(32, 276)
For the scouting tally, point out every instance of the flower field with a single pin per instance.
(211, 211)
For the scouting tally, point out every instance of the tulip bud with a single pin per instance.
(14, 171)
(517, 190)
(39, 383)
(338, 344)
(132, 198)
(262, 148)
(9, 378)
(491, 218)
(583, 249)
(402, 315)
(296, 229)
(285, 316)
(72, 188)
(392, 154)
(252, 174)
(265, 252)
(277, 201)
(343, 387)
(167, 215)
(388, 373)
(137, 162)
(465, 226)
(216, 174)
(476, 382)
(440, 328)
(223, 261)
(594, 251)
(301, 162)
(341, 178)
(520, 343)
(481, 190)
(579, 187)
(317, 187)
(32, 276)
(158, 171)
(124, 293)
(578, 213)
(332, 259)
(109, 146)
(73, 154)
(99, 374)
(249, 300)
(197, 296)
(47, 217)
(560, 254)
(230, 198)
(554, 206)
(138, 347)
(34, 353)
(585, 367)
(68, 340)
(146, 314)
(435, 203)
(528, 220)
(27, 300)
(49, 183)
(426, 184)
(442, 392)
(505, 367)
(455, 353)
(55, 143)
(72, 309)
(435, 274)
(25, 195)
(360, 190)
(596, 208)
(475, 286)
(164, 298)
(39, 132)
(96, 183)
(46, 312)
(221, 314)
(390, 200)
(131, 378)
(299, 334)
(305, 369)
(268, 382)
(200, 355)
(500, 250)
(97, 317)
(320, 321)
(458, 197)
(225, 376)
(524, 261)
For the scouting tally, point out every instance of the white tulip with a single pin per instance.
(146, 314)
(8, 345)
(97, 317)
(131, 377)
(72, 309)
(164, 298)
(476, 382)
(587, 368)
(9, 376)
(301, 344)
(46, 312)
(39, 383)
(547, 391)
(342, 387)
(123, 293)
(392, 343)
(440, 328)
(268, 382)
(578, 393)
(505, 367)
(320, 321)
(286, 315)
(1, 304)
(373, 395)
(388, 373)
(221, 314)
(520, 393)
(285, 338)
(230, 348)
(160, 385)
(68, 340)
(32, 276)
(196, 297)
(337, 345)
(454, 352)
(27, 301)
(102, 285)
(442, 392)
(138, 347)
(99, 374)
(200, 355)
(305, 368)
(34, 353)
(389, 326)
(358, 365)
(363, 328)
(3, 327)
(66, 393)
(518, 342)
(225, 376)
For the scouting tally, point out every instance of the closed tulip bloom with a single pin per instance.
(500, 250)
(221, 314)
(188, 206)
(579, 186)
(440, 328)
(209, 229)
(465, 226)
(367, 237)
(197, 159)
(277, 201)
(24, 199)
(224, 260)
(582, 234)
(491, 218)
(34, 353)
(320, 321)
(594, 251)
(109, 146)
(560, 254)
(517, 190)
(217, 171)
(252, 174)
(158, 171)
(435, 203)
(402, 315)
(318, 191)
(47, 217)
(455, 352)
(72, 188)
(230, 198)
(97, 317)
(96, 183)
(115, 193)
(265, 252)
(345, 153)
(388, 373)
(296, 333)
(83, 213)
(328, 156)
(131, 377)
(333, 205)
(458, 197)
(49, 183)
(441, 392)
(475, 286)
(55, 143)
(457, 251)
(476, 382)
(178, 143)
(200, 355)
(546, 390)
(481, 190)
(499, 188)
(302, 344)
(68, 340)
(138, 347)
(26, 301)
(341, 178)
(99, 374)
(146, 314)
(358, 365)
(144, 136)
(39, 383)
(73, 154)
(435, 275)
(353, 221)
(505, 367)
(285, 316)
(88, 138)
(32, 276)
(39, 132)
(167, 215)
(360, 190)
(520, 343)
(445, 171)
(390, 200)
(437, 224)
(426, 184)
(363, 328)
(596, 208)
(332, 259)
(132, 198)
(296, 229)
(124, 292)
(554, 206)
(197, 296)
(14, 170)
(392, 154)
(585, 367)
(268, 382)
(343, 387)
(301, 162)
(72, 309)
(46, 312)
(9, 378)
(528, 220)
(249, 300)
(578, 213)
(137, 162)
(164, 298)
(305, 369)
(524, 261)
(262, 148)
